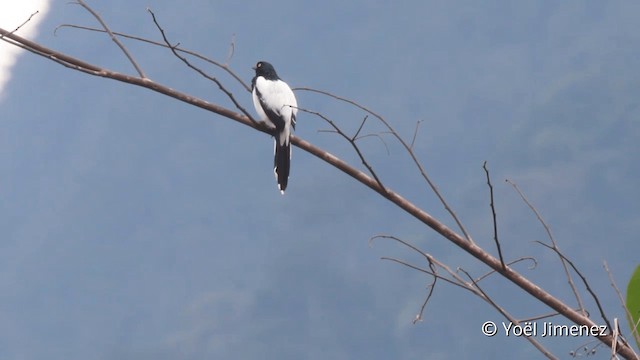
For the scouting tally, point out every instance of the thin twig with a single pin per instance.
(584, 281)
(377, 136)
(415, 134)
(113, 37)
(532, 259)
(493, 215)
(24, 23)
(224, 67)
(422, 270)
(567, 273)
(459, 282)
(485, 295)
(360, 127)
(430, 259)
(351, 140)
(432, 266)
(201, 72)
(431, 287)
(504, 313)
(409, 150)
(357, 137)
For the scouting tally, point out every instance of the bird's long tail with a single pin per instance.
(281, 163)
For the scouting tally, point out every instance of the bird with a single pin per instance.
(276, 105)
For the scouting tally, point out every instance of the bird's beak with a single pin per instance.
(254, 68)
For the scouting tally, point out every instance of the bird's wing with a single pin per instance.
(291, 104)
(276, 101)
(257, 103)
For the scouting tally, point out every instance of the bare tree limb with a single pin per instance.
(224, 67)
(491, 272)
(351, 140)
(584, 281)
(409, 150)
(493, 214)
(471, 286)
(553, 241)
(415, 134)
(201, 72)
(25, 22)
(113, 37)
(360, 127)
(488, 299)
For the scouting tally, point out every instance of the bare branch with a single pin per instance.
(459, 282)
(112, 36)
(484, 295)
(409, 150)
(553, 241)
(431, 288)
(25, 22)
(224, 67)
(360, 128)
(535, 264)
(584, 281)
(351, 140)
(422, 270)
(504, 313)
(493, 214)
(76, 64)
(415, 134)
(379, 138)
(201, 72)
(432, 266)
(357, 137)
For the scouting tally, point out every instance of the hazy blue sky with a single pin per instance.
(133, 226)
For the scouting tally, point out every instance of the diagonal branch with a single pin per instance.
(224, 67)
(584, 281)
(553, 241)
(25, 22)
(472, 286)
(488, 299)
(220, 86)
(409, 150)
(113, 37)
(415, 134)
(351, 140)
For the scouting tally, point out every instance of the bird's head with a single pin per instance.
(265, 70)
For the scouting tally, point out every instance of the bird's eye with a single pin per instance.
(259, 64)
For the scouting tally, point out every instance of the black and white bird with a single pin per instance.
(277, 106)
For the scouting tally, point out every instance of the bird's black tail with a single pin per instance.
(281, 164)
